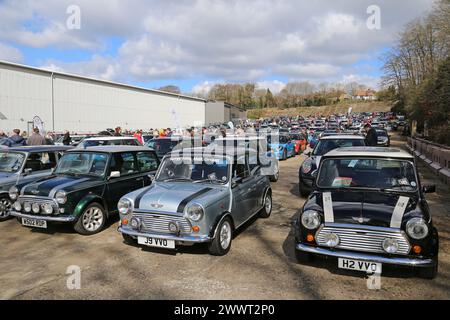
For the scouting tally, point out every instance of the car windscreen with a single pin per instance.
(325, 146)
(83, 164)
(197, 171)
(11, 162)
(367, 173)
(162, 146)
(382, 133)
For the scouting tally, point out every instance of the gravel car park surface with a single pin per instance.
(260, 265)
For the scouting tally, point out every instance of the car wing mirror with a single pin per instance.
(152, 176)
(429, 189)
(114, 174)
(27, 171)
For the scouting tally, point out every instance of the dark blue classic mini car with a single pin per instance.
(368, 209)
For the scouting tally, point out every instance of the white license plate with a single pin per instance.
(158, 243)
(34, 223)
(357, 265)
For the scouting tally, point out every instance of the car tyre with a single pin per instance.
(304, 192)
(221, 243)
(267, 206)
(128, 239)
(303, 257)
(5, 206)
(92, 220)
(429, 272)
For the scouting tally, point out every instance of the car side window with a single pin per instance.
(254, 165)
(125, 163)
(241, 170)
(41, 161)
(147, 161)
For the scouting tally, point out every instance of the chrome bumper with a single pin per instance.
(189, 239)
(409, 262)
(45, 218)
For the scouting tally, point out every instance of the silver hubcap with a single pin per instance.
(5, 205)
(268, 204)
(225, 235)
(92, 219)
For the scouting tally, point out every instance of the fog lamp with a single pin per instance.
(390, 245)
(17, 206)
(48, 208)
(135, 223)
(331, 240)
(173, 227)
(27, 207)
(36, 207)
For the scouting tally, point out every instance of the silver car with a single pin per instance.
(24, 164)
(197, 198)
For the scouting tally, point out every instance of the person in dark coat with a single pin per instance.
(67, 140)
(16, 140)
(371, 136)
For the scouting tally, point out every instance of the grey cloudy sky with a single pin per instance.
(195, 44)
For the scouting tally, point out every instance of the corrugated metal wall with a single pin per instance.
(83, 105)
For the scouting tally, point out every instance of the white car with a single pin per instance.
(109, 141)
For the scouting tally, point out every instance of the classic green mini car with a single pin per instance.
(85, 187)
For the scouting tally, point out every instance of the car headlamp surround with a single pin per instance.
(125, 206)
(195, 212)
(13, 193)
(417, 228)
(310, 219)
(61, 197)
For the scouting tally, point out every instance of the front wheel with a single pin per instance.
(303, 257)
(267, 209)
(428, 273)
(5, 206)
(221, 243)
(92, 220)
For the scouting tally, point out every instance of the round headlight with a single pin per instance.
(36, 207)
(124, 206)
(135, 223)
(27, 207)
(61, 197)
(48, 208)
(13, 193)
(390, 245)
(17, 206)
(331, 240)
(195, 212)
(310, 219)
(417, 228)
(307, 166)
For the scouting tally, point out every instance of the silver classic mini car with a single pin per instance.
(197, 198)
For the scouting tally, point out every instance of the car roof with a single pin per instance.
(112, 149)
(343, 137)
(109, 138)
(44, 148)
(378, 152)
(234, 151)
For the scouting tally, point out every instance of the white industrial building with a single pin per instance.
(80, 104)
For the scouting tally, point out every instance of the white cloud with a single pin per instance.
(274, 86)
(231, 40)
(202, 89)
(11, 54)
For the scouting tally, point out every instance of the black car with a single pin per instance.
(325, 144)
(368, 209)
(85, 187)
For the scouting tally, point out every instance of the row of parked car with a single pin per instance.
(365, 205)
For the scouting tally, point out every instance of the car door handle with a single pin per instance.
(140, 179)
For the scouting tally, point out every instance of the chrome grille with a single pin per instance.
(158, 222)
(364, 239)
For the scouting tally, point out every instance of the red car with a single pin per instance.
(300, 141)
